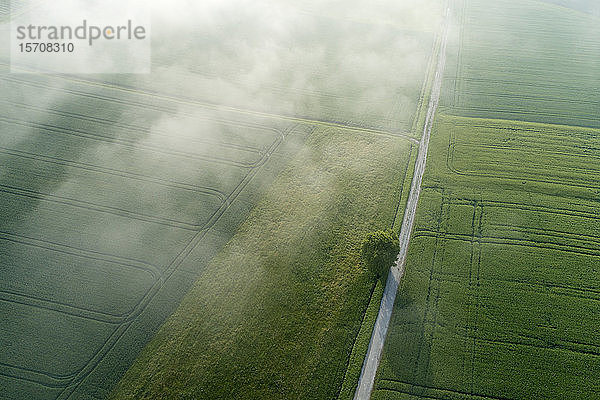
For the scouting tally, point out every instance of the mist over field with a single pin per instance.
(195, 232)
(284, 129)
(297, 59)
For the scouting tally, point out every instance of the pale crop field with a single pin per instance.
(102, 207)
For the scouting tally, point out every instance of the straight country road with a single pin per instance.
(369, 369)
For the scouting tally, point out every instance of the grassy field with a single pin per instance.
(361, 345)
(291, 276)
(501, 293)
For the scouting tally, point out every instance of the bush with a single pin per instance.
(379, 251)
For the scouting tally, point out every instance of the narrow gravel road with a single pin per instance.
(369, 369)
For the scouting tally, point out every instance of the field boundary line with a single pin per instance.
(515, 124)
(129, 103)
(209, 191)
(532, 174)
(525, 207)
(107, 209)
(560, 345)
(444, 206)
(567, 248)
(371, 363)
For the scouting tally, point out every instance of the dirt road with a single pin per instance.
(369, 369)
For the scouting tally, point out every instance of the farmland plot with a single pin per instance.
(524, 60)
(293, 263)
(501, 294)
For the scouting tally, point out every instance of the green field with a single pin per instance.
(194, 233)
(501, 294)
(295, 291)
(121, 193)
